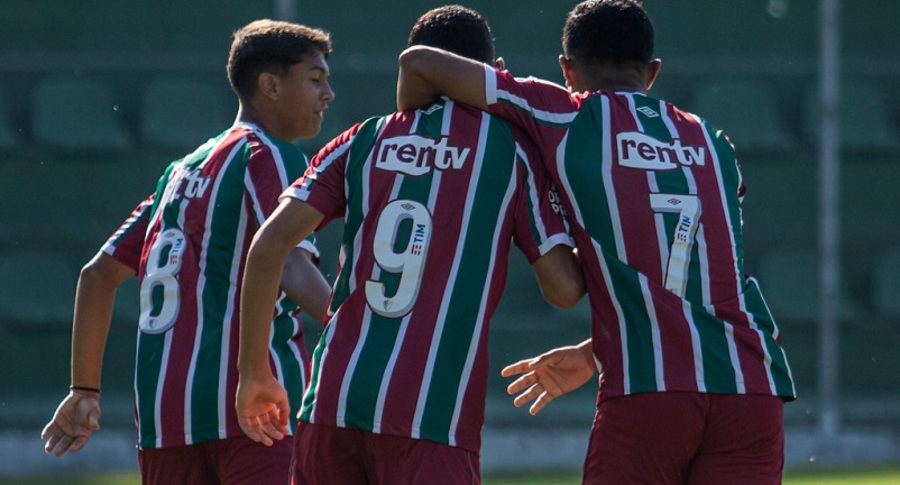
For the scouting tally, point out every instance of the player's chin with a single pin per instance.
(313, 128)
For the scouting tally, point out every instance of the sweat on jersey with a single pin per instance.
(188, 244)
(654, 195)
(431, 200)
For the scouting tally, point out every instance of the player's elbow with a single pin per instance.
(565, 295)
(103, 270)
(414, 58)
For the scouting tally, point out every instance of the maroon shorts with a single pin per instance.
(325, 455)
(231, 461)
(684, 437)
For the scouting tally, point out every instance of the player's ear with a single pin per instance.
(499, 63)
(566, 65)
(653, 68)
(268, 85)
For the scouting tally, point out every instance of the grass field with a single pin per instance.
(879, 476)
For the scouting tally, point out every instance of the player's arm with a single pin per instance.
(550, 375)
(303, 283)
(78, 414)
(262, 404)
(560, 276)
(427, 73)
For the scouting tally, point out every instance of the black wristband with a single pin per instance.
(84, 389)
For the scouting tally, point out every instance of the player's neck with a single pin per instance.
(615, 81)
(260, 118)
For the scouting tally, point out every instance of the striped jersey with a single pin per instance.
(188, 244)
(431, 201)
(654, 195)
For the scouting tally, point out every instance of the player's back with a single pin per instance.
(201, 223)
(662, 212)
(434, 199)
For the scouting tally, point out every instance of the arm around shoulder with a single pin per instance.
(426, 73)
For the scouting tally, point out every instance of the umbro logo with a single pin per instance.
(648, 112)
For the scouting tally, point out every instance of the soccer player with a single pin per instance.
(187, 243)
(693, 375)
(432, 200)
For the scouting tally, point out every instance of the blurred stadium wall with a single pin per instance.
(97, 97)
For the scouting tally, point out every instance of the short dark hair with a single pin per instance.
(270, 46)
(457, 29)
(608, 30)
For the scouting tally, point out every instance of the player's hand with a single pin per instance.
(550, 375)
(263, 409)
(77, 416)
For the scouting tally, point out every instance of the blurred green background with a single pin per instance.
(97, 97)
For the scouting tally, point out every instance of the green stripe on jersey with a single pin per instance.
(220, 264)
(468, 295)
(718, 369)
(639, 348)
(356, 178)
(580, 171)
(372, 365)
(780, 370)
(369, 372)
(150, 348)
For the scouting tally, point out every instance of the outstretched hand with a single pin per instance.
(550, 375)
(263, 409)
(76, 418)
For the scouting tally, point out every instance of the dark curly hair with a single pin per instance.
(455, 28)
(270, 46)
(608, 30)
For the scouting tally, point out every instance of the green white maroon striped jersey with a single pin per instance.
(188, 243)
(432, 200)
(653, 194)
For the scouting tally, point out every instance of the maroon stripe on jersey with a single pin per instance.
(181, 353)
(631, 191)
(264, 175)
(606, 345)
(724, 282)
(348, 322)
(127, 243)
(406, 382)
(638, 223)
(679, 370)
(171, 406)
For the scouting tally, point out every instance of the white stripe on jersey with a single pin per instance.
(109, 247)
(302, 193)
(659, 371)
(404, 324)
(317, 364)
(493, 94)
(723, 200)
(364, 325)
(389, 373)
(695, 346)
(227, 318)
(482, 307)
(578, 216)
(533, 196)
(432, 200)
(160, 384)
(608, 187)
(201, 285)
(427, 376)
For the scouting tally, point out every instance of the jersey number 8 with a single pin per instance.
(160, 295)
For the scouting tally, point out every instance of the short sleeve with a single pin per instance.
(127, 243)
(540, 222)
(323, 184)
